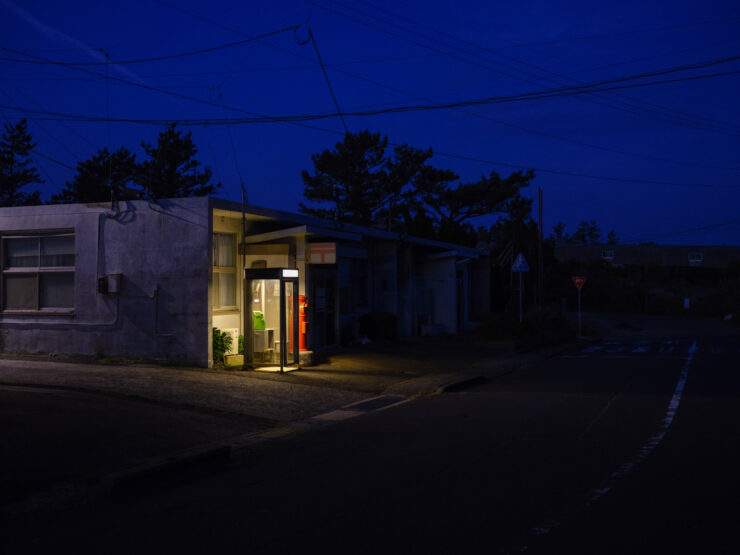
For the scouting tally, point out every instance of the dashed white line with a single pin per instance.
(597, 493)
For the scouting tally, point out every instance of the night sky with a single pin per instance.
(656, 162)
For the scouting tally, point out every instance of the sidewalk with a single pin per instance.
(406, 368)
(206, 414)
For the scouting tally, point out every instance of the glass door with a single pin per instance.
(266, 321)
(271, 319)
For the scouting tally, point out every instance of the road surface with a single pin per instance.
(627, 446)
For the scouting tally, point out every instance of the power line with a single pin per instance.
(161, 91)
(480, 116)
(688, 231)
(519, 61)
(630, 31)
(296, 118)
(584, 175)
(464, 158)
(326, 76)
(365, 23)
(50, 159)
(161, 58)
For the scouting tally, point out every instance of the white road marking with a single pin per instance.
(597, 493)
(656, 438)
(630, 355)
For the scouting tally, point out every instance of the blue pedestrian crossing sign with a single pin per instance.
(520, 264)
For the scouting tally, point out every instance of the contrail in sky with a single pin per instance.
(56, 34)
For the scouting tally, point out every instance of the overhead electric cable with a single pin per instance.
(522, 97)
(326, 76)
(687, 231)
(50, 159)
(630, 31)
(162, 91)
(469, 158)
(435, 49)
(43, 128)
(517, 61)
(395, 89)
(161, 58)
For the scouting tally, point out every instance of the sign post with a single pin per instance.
(520, 266)
(578, 281)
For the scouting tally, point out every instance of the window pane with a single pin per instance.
(226, 290)
(57, 290)
(225, 249)
(22, 253)
(19, 292)
(58, 251)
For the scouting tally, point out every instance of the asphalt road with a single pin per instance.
(628, 446)
(52, 436)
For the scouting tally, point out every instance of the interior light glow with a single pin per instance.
(290, 273)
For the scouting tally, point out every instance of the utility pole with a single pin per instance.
(540, 257)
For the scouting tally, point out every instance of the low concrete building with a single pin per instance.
(149, 280)
(668, 256)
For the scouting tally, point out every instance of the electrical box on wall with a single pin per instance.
(110, 284)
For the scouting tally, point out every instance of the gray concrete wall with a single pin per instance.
(406, 289)
(162, 252)
(438, 274)
(480, 289)
(384, 270)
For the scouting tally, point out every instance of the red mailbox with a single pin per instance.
(302, 323)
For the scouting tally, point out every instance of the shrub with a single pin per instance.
(221, 345)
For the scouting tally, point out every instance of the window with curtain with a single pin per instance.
(224, 271)
(38, 272)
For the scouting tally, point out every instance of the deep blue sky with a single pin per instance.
(399, 53)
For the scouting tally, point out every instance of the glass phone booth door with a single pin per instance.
(271, 326)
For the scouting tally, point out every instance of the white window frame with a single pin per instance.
(36, 271)
(696, 258)
(218, 270)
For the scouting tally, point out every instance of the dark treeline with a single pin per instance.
(361, 181)
(169, 170)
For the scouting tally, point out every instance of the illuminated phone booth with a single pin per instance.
(271, 326)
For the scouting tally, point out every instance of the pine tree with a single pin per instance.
(172, 171)
(98, 177)
(16, 171)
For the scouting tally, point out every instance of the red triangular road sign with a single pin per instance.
(579, 281)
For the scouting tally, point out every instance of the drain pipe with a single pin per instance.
(247, 305)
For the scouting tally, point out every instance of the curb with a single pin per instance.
(79, 491)
(462, 384)
(159, 466)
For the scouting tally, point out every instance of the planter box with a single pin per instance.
(234, 359)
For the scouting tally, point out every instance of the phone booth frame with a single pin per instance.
(284, 276)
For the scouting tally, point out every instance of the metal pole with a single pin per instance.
(283, 335)
(579, 314)
(520, 297)
(246, 294)
(540, 257)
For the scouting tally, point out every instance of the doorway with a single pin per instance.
(271, 318)
(324, 294)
